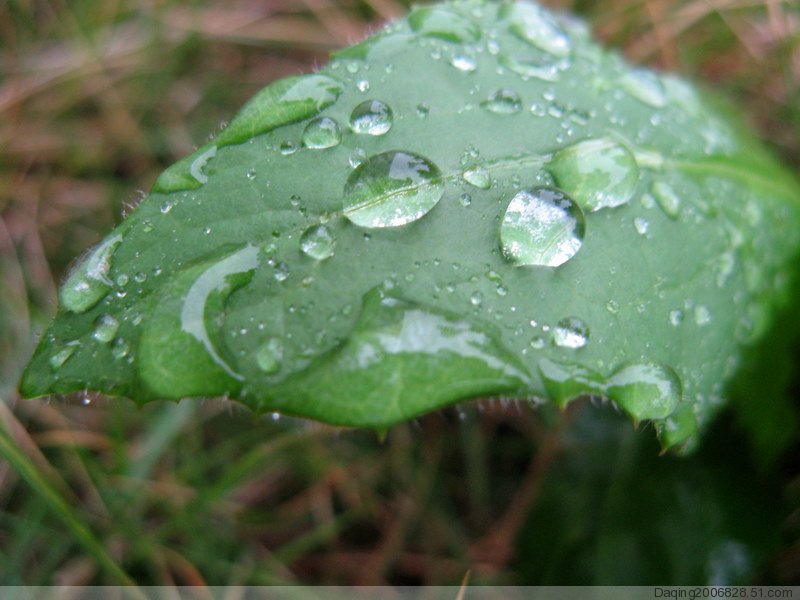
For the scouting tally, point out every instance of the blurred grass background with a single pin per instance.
(97, 97)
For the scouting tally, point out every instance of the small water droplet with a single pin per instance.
(476, 299)
(503, 102)
(392, 189)
(478, 177)
(541, 227)
(641, 225)
(120, 348)
(667, 199)
(362, 85)
(371, 117)
(675, 317)
(63, 355)
(537, 343)
(612, 306)
(105, 329)
(287, 148)
(122, 280)
(423, 110)
(702, 315)
(147, 226)
(317, 242)
(535, 26)
(465, 200)
(527, 67)
(140, 277)
(269, 356)
(281, 271)
(322, 133)
(251, 174)
(599, 173)
(464, 63)
(571, 333)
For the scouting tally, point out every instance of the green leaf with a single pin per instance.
(477, 200)
(612, 512)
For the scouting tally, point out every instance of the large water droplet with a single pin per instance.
(269, 356)
(527, 67)
(215, 281)
(478, 177)
(105, 329)
(542, 227)
(371, 117)
(645, 86)
(645, 391)
(89, 283)
(535, 26)
(464, 63)
(322, 133)
(317, 242)
(571, 333)
(503, 102)
(444, 24)
(597, 173)
(392, 189)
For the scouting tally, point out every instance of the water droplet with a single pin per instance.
(288, 148)
(464, 63)
(281, 271)
(645, 86)
(120, 348)
(371, 117)
(478, 177)
(140, 277)
(529, 67)
(667, 199)
(542, 227)
(476, 299)
(251, 174)
(612, 306)
(571, 333)
(465, 200)
(537, 342)
(105, 329)
(598, 173)
(317, 242)
(675, 317)
(269, 356)
(641, 225)
(362, 85)
(392, 189)
(535, 26)
(322, 133)
(88, 283)
(645, 391)
(702, 315)
(197, 168)
(438, 22)
(423, 110)
(503, 102)
(122, 280)
(63, 355)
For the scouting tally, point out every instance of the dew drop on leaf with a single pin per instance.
(198, 165)
(645, 86)
(63, 355)
(317, 242)
(597, 174)
(89, 282)
(541, 227)
(533, 25)
(392, 189)
(571, 332)
(702, 315)
(269, 356)
(667, 199)
(464, 63)
(478, 177)
(371, 117)
(641, 225)
(322, 133)
(527, 67)
(645, 391)
(443, 24)
(105, 329)
(120, 348)
(503, 102)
